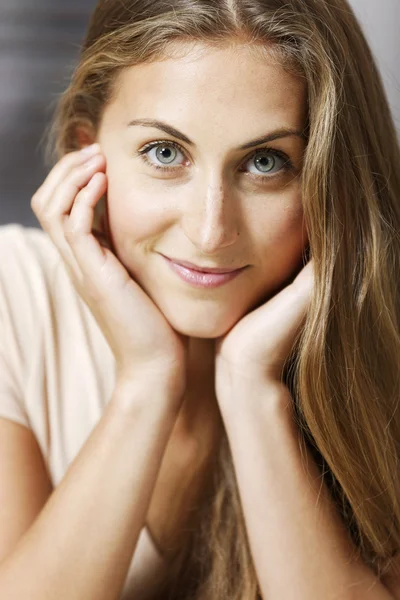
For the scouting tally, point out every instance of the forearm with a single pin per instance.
(185, 475)
(179, 489)
(300, 546)
(82, 543)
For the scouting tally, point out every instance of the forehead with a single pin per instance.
(219, 86)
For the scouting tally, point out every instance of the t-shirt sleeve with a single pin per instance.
(13, 303)
(11, 400)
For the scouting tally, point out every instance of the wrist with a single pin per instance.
(243, 394)
(134, 395)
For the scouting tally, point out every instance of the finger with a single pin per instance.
(304, 282)
(60, 205)
(61, 233)
(59, 172)
(100, 272)
(77, 226)
(81, 170)
(63, 197)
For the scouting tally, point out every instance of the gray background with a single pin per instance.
(39, 44)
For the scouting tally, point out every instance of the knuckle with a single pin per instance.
(79, 176)
(67, 163)
(50, 215)
(71, 234)
(78, 198)
(73, 187)
(46, 220)
(69, 157)
(35, 200)
(81, 171)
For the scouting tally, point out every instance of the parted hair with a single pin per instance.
(344, 370)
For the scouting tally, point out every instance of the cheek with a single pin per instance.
(281, 239)
(291, 226)
(281, 226)
(134, 213)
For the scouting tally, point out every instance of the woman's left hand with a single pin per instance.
(256, 348)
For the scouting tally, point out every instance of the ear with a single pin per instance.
(84, 137)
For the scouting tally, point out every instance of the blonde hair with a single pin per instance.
(344, 370)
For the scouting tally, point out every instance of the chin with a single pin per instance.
(196, 332)
(200, 328)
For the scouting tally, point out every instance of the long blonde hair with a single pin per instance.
(344, 371)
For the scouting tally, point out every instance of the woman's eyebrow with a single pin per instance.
(279, 133)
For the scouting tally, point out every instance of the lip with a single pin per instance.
(193, 267)
(200, 278)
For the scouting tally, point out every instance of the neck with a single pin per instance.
(199, 415)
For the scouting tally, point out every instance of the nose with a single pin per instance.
(212, 221)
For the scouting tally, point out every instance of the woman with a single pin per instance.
(221, 400)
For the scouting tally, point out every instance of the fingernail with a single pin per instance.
(92, 149)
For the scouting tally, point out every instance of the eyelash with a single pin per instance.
(288, 166)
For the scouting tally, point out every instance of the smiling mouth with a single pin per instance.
(200, 269)
(200, 279)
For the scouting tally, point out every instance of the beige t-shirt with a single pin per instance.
(57, 371)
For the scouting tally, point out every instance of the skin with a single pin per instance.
(208, 209)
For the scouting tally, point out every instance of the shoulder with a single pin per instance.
(28, 262)
(25, 245)
(55, 354)
(26, 253)
(25, 257)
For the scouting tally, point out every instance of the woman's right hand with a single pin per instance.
(142, 340)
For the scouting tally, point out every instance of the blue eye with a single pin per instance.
(265, 158)
(163, 151)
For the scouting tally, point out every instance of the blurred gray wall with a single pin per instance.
(39, 44)
(381, 23)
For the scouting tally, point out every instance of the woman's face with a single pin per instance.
(215, 204)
